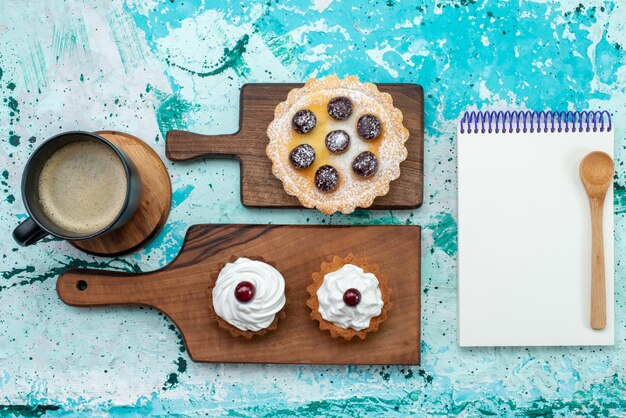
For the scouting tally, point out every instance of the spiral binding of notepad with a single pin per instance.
(530, 121)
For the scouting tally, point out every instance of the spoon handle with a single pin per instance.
(598, 289)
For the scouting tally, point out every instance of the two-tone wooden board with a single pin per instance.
(180, 291)
(259, 187)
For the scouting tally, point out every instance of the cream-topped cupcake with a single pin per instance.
(247, 297)
(349, 297)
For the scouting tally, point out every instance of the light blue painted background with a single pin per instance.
(147, 66)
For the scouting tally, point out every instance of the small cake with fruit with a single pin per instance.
(349, 297)
(336, 144)
(247, 297)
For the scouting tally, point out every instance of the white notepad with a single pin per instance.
(525, 229)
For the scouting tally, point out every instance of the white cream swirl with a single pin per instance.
(268, 300)
(334, 309)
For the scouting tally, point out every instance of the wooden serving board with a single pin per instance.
(180, 291)
(259, 187)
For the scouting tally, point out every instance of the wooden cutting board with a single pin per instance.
(259, 187)
(180, 291)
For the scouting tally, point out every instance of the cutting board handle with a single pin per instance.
(182, 145)
(87, 287)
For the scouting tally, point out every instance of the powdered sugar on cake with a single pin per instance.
(352, 190)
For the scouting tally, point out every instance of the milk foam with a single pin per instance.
(82, 187)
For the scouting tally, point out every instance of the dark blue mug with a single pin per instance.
(81, 165)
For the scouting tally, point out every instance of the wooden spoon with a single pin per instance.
(596, 172)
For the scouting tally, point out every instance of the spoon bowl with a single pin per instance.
(596, 172)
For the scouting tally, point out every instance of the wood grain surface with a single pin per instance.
(259, 187)
(180, 291)
(154, 206)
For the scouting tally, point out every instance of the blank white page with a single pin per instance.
(525, 240)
